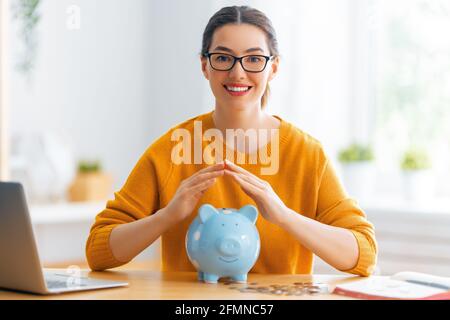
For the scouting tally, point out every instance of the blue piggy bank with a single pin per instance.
(223, 243)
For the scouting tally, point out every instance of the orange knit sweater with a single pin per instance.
(306, 182)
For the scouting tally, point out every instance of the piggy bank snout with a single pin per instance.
(229, 246)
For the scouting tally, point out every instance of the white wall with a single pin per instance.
(313, 86)
(180, 90)
(110, 88)
(4, 156)
(132, 70)
(113, 86)
(321, 81)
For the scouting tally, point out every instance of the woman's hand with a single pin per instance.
(269, 204)
(191, 190)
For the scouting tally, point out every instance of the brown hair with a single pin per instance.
(240, 15)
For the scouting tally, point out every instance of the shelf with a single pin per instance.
(73, 212)
(394, 205)
(65, 212)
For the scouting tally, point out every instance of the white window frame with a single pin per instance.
(364, 30)
(4, 143)
(362, 73)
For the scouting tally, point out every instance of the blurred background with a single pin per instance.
(86, 86)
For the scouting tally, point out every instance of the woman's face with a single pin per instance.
(239, 40)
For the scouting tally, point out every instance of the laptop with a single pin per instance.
(20, 266)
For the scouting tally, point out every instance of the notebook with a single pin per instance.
(403, 285)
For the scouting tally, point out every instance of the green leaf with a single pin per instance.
(415, 159)
(355, 153)
(85, 166)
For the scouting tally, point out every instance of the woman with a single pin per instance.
(303, 207)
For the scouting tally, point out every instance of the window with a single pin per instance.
(412, 92)
(3, 91)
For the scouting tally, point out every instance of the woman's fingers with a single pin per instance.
(205, 176)
(200, 187)
(213, 168)
(249, 179)
(236, 168)
(248, 187)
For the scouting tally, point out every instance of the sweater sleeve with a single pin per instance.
(335, 208)
(137, 199)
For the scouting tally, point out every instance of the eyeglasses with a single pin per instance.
(226, 62)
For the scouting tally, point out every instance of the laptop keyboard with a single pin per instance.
(54, 283)
(57, 281)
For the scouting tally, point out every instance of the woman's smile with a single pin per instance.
(237, 89)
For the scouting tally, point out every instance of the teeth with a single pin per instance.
(238, 89)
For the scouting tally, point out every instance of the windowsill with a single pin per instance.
(66, 225)
(65, 212)
(396, 205)
(74, 212)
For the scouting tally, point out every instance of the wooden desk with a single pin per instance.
(146, 282)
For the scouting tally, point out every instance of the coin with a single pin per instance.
(277, 292)
(298, 288)
(313, 291)
(318, 289)
(261, 287)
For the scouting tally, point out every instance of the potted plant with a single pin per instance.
(417, 177)
(358, 170)
(28, 15)
(90, 183)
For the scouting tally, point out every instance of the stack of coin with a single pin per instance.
(297, 288)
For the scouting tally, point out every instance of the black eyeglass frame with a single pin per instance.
(209, 54)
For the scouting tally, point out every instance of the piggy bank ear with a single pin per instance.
(250, 212)
(206, 211)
